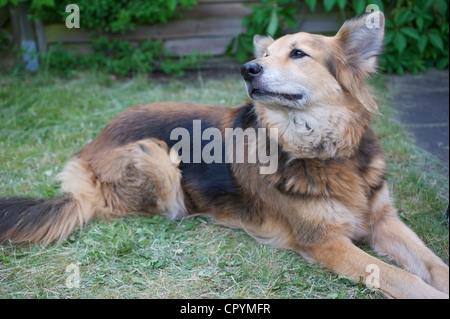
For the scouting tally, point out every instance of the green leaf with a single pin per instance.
(419, 23)
(426, 4)
(273, 23)
(230, 46)
(389, 24)
(359, 6)
(5, 2)
(400, 42)
(290, 21)
(441, 5)
(422, 43)
(428, 17)
(341, 4)
(172, 4)
(391, 59)
(241, 53)
(389, 35)
(378, 3)
(40, 3)
(247, 42)
(260, 16)
(442, 63)
(328, 4)
(312, 4)
(410, 32)
(402, 16)
(436, 40)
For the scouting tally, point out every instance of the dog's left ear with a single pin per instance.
(361, 41)
(260, 44)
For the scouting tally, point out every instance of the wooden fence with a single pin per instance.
(207, 27)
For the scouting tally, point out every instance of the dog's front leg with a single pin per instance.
(391, 236)
(343, 257)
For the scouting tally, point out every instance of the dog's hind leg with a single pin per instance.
(140, 177)
(390, 236)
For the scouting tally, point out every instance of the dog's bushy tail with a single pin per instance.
(139, 177)
(37, 220)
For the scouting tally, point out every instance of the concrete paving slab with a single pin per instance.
(422, 101)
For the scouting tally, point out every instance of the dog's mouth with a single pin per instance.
(263, 93)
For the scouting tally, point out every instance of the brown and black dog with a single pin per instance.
(328, 189)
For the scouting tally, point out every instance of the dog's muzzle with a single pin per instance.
(251, 70)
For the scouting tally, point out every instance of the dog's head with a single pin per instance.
(315, 81)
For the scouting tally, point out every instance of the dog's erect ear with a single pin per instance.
(260, 44)
(361, 40)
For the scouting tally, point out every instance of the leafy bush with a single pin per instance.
(114, 56)
(416, 31)
(106, 15)
(268, 18)
(416, 36)
(120, 57)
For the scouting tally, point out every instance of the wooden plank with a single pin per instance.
(212, 63)
(215, 46)
(328, 23)
(178, 29)
(8, 58)
(40, 36)
(303, 8)
(15, 25)
(207, 28)
(81, 48)
(4, 15)
(27, 42)
(224, 63)
(55, 33)
(26, 32)
(217, 10)
(190, 28)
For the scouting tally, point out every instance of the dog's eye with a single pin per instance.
(297, 54)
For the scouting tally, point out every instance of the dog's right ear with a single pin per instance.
(260, 44)
(361, 40)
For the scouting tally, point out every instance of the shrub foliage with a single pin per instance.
(416, 31)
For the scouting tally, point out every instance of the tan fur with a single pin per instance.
(137, 177)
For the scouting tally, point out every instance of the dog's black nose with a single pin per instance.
(251, 70)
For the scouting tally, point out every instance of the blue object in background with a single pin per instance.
(29, 55)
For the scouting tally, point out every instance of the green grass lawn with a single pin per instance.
(45, 120)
